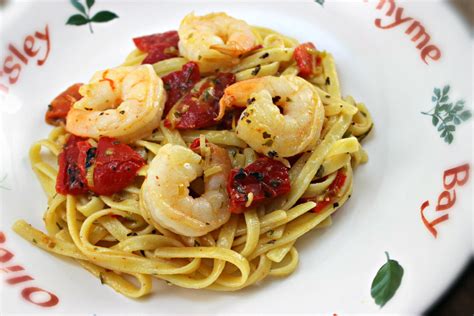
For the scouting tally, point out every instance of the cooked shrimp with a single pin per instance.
(263, 127)
(166, 196)
(215, 40)
(124, 102)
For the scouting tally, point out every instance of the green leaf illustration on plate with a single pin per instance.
(78, 6)
(386, 281)
(84, 15)
(77, 19)
(104, 16)
(446, 115)
(321, 2)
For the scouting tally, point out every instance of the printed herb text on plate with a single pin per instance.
(18, 278)
(35, 47)
(396, 18)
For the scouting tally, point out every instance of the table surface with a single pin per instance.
(458, 300)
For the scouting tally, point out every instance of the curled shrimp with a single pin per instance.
(263, 126)
(215, 40)
(166, 196)
(124, 102)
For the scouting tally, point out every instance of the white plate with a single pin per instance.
(381, 67)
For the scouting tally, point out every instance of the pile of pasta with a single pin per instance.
(114, 239)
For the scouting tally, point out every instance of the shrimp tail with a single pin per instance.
(225, 102)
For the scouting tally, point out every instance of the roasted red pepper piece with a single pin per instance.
(71, 177)
(158, 46)
(265, 178)
(194, 146)
(305, 60)
(179, 83)
(116, 165)
(332, 191)
(59, 107)
(147, 42)
(200, 107)
(338, 182)
(321, 205)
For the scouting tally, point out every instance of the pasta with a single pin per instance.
(118, 236)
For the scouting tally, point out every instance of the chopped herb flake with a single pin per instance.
(101, 277)
(240, 175)
(320, 172)
(268, 143)
(256, 70)
(90, 155)
(275, 183)
(272, 154)
(258, 175)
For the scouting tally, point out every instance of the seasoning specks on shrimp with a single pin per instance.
(124, 102)
(166, 195)
(263, 127)
(215, 40)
